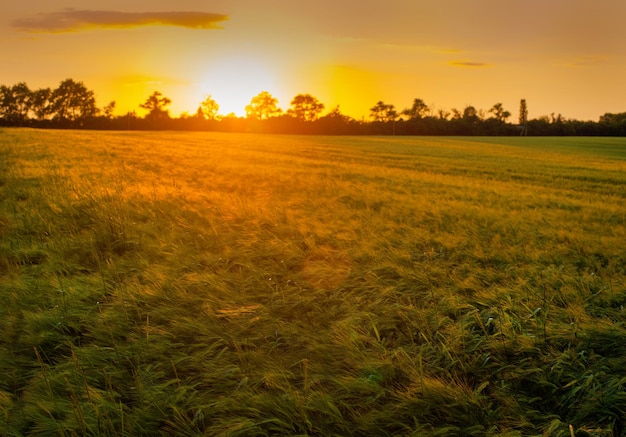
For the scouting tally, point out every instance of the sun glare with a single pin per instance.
(232, 82)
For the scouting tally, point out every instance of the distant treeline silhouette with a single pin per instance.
(73, 106)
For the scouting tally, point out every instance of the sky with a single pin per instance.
(563, 56)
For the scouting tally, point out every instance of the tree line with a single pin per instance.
(73, 105)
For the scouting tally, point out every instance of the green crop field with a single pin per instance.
(163, 283)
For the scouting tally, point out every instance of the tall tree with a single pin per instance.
(155, 105)
(6, 102)
(499, 113)
(15, 103)
(336, 114)
(471, 114)
(107, 111)
(23, 97)
(209, 108)
(443, 114)
(382, 112)
(41, 104)
(523, 117)
(417, 111)
(305, 107)
(263, 106)
(73, 102)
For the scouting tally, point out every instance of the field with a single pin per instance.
(247, 285)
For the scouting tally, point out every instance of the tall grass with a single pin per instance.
(209, 284)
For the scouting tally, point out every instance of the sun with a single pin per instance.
(234, 80)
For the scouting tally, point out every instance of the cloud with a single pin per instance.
(448, 51)
(72, 20)
(468, 64)
(419, 48)
(146, 80)
(587, 61)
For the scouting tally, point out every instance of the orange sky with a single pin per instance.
(562, 56)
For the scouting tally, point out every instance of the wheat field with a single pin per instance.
(168, 283)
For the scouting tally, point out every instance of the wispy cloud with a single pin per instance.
(73, 20)
(450, 50)
(468, 64)
(418, 48)
(587, 61)
(139, 80)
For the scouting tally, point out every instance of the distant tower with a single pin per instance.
(523, 118)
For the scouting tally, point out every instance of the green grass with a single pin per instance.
(224, 284)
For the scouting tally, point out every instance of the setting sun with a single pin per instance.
(234, 80)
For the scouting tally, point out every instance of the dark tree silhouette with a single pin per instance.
(107, 111)
(263, 106)
(470, 114)
(499, 113)
(305, 107)
(155, 105)
(523, 117)
(73, 102)
(613, 124)
(209, 108)
(443, 114)
(41, 105)
(417, 111)
(382, 112)
(337, 123)
(15, 103)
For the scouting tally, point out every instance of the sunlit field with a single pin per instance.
(247, 285)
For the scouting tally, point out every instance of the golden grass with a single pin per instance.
(232, 284)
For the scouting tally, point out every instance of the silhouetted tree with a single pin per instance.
(23, 96)
(107, 111)
(466, 122)
(470, 114)
(417, 111)
(382, 112)
(41, 103)
(209, 108)
(305, 107)
(155, 105)
(337, 123)
(608, 118)
(523, 117)
(499, 113)
(556, 118)
(263, 106)
(443, 114)
(6, 103)
(73, 102)
(15, 103)
(613, 124)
